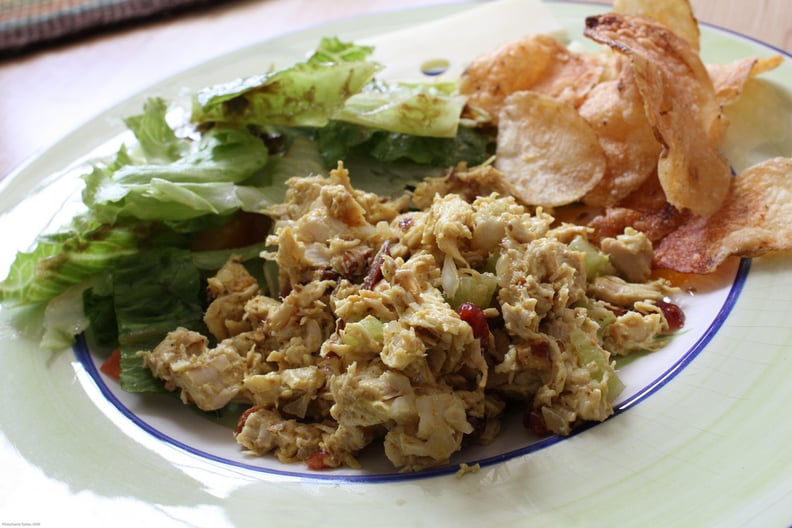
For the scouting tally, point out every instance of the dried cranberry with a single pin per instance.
(474, 316)
(673, 314)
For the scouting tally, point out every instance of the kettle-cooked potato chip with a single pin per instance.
(680, 104)
(539, 63)
(615, 110)
(755, 219)
(646, 209)
(547, 151)
(729, 79)
(677, 15)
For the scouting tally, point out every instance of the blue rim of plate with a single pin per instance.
(83, 355)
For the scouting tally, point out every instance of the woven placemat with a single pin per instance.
(26, 24)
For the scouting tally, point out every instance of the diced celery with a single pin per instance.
(368, 329)
(492, 261)
(590, 353)
(615, 386)
(474, 287)
(587, 350)
(596, 262)
(373, 326)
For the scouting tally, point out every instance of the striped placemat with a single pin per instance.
(26, 24)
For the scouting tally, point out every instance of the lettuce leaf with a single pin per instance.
(205, 180)
(154, 292)
(429, 110)
(336, 83)
(334, 50)
(100, 311)
(156, 138)
(226, 170)
(64, 318)
(62, 260)
(222, 154)
(49, 280)
(339, 141)
(113, 229)
(306, 94)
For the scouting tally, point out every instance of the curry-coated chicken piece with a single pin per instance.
(208, 377)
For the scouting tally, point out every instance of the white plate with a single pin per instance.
(701, 438)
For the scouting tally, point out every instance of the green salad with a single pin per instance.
(169, 209)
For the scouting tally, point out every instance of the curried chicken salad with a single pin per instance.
(415, 321)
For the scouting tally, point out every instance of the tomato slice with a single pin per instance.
(112, 365)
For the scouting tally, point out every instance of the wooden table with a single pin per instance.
(46, 94)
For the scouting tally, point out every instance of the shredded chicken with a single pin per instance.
(208, 377)
(631, 254)
(230, 289)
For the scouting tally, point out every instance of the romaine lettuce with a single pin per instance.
(154, 292)
(336, 83)
(334, 50)
(62, 260)
(429, 110)
(302, 95)
(249, 137)
(205, 180)
(306, 94)
(157, 139)
(338, 141)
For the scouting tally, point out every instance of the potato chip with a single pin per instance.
(539, 63)
(755, 219)
(548, 152)
(680, 104)
(729, 79)
(646, 210)
(676, 15)
(615, 110)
